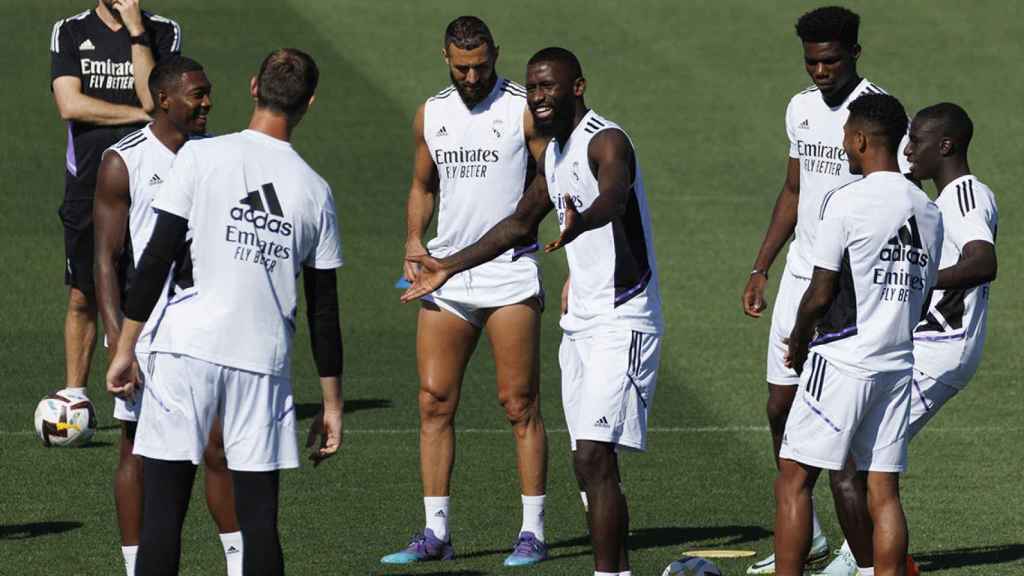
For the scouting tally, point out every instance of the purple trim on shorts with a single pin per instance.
(821, 415)
(942, 338)
(286, 412)
(521, 251)
(624, 296)
(69, 158)
(924, 401)
(832, 337)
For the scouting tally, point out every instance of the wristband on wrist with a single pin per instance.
(141, 40)
(759, 271)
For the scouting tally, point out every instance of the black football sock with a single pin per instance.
(256, 508)
(167, 488)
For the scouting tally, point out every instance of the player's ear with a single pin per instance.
(579, 86)
(494, 55)
(946, 147)
(253, 88)
(444, 54)
(855, 52)
(310, 103)
(163, 101)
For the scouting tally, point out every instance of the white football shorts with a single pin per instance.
(787, 301)
(128, 410)
(608, 380)
(471, 294)
(836, 415)
(184, 395)
(927, 396)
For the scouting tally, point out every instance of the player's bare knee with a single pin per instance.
(436, 408)
(778, 412)
(594, 462)
(519, 409)
(843, 482)
(81, 304)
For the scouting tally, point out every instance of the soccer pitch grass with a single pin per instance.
(702, 88)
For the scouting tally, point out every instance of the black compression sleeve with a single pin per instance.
(167, 239)
(321, 288)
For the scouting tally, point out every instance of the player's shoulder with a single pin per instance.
(837, 201)
(869, 87)
(512, 89)
(71, 22)
(131, 141)
(158, 21)
(443, 94)
(805, 96)
(966, 195)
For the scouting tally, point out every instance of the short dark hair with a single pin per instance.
(556, 54)
(167, 73)
(286, 81)
(468, 33)
(829, 24)
(884, 113)
(956, 124)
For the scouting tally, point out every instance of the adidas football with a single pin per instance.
(65, 421)
(691, 566)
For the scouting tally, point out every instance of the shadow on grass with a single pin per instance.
(309, 409)
(34, 529)
(969, 557)
(94, 444)
(644, 538)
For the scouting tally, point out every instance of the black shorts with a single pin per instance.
(76, 215)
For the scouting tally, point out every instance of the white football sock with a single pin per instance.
(586, 504)
(436, 511)
(129, 553)
(626, 573)
(596, 573)
(232, 543)
(533, 516)
(866, 571)
(846, 548)
(74, 393)
(815, 525)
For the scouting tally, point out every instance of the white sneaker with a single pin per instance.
(844, 564)
(815, 558)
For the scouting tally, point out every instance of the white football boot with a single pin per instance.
(844, 564)
(815, 558)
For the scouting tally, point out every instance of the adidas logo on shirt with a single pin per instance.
(905, 245)
(442, 132)
(231, 550)
(87, 45)
(258, 207)
(155, 180)
(602, 423)
(806, 124)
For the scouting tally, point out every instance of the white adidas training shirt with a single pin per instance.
(949, 340)
(613, 274)
(884, 237)
(816, 139)
(256, 213)
(481, 157)
(148, 162)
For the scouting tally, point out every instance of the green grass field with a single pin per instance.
(702, 87)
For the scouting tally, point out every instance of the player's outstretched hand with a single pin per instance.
(572, 226)
(753, 296)
(131, 14)
(325, 434)
(123, 376)
(431, 276)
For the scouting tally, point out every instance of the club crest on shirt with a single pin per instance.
(498, 127)
(576, 171)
